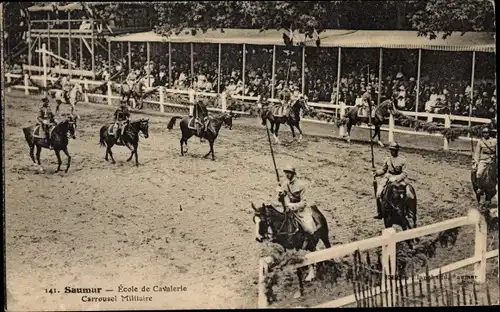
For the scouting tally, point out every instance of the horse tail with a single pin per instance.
(102, 141)
(27, 134)
(172, 121)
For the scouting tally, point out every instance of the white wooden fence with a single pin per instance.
(391, 128)
(388, 241)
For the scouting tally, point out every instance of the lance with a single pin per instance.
(373, 158)
(281, 199)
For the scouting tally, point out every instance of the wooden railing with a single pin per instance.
(191, 94)
(388, 241)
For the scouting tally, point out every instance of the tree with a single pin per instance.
(431, 17)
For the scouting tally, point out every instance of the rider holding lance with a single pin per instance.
(46, 119)
(392, 171)
(122, 118)
(291, 195)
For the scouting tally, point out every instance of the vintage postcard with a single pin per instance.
(247, 154)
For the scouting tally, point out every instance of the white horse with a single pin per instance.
(72, 99)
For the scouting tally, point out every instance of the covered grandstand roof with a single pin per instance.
(389, 39)
(69, 6)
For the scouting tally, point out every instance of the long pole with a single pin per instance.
(303, 87)
(337, 98)
(81, 53)
(59, 49)
(244, 65)
(129, 56)
(379, 206)
(380, 77)
(148, 60)
(48, 31)
(417, 98)
(109, 57)
(272, 154)
(69, 43)
(472, 100)
(192, 64)
(273, 83)
(29, 47)
(218, 68)
(170, 65)
(93, 47)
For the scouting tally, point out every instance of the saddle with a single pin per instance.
(280, 110)
(111, 128)
(39, 133)
(192, 123)
(398, 187)
(364, 111)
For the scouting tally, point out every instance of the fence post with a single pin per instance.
(9, 80)
(162, 98)
(263, 270)
(389, 254)
(44, 63)
(447, 124)
(429, 118)
(342, 113)
(85, 95)
(391, 128)
(26, 84)
(480, 244)
(223, 99)
(191, 101)
(110, 94)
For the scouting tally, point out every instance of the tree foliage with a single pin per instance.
(431, 17)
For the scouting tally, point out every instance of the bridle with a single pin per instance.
(269, 224)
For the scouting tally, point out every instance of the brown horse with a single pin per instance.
(130, 138)
(281, 228)
(137, 92)
(58, 139)
(381, 112)
(214, 125)
(486, 183)
(292, 118)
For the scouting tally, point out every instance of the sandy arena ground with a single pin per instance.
(185, 220)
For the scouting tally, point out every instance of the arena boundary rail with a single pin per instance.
(388, 241)
(391, 128)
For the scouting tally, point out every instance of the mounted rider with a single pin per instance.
(66, 87)
(291, 194)
(200, 115)
(46, 119)
(132, 78)
(365, 103)
(485, 153)
(285, 97)
(122, 118)
(393, 172)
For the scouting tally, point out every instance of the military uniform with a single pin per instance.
(393, 171)
(46, 119)
(285, 96)
(293, 191)
(485, 154)
(122, 117)
(200, 114)
(364, 105)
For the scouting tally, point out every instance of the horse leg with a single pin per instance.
(38, 152)
(131, 152)
(65, 150)
(32, 153)
(182, 143)
(347, 135)
(108, 150)
(59, 161)
(275, 133)
(210, 151)
(136, 156)
(300, 131)
(299, 293)
(293, 131)
(377, 133)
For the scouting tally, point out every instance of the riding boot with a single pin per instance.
(379, 215)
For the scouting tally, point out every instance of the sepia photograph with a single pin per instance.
(249, 154)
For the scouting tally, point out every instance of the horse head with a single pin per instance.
(68, 125)
(301, 103)
(144, 126)
(227, 119)
(78, 88)
(395, 197)
(264, 218)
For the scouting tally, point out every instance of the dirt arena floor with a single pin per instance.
(187, 220)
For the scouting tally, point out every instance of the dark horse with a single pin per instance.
(292, 118)
(281, 228)
(137, 92)
(486, 183)
(381, 112)
(397, 207)
(58, 140)
(130, 138)
(214, 125)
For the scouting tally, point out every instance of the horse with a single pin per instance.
(130, 138)
(137, 92)
(486, 183)
(397, 207)
(71, 99)
(351, 118)
(58, 139)
(280, 227)
(292, 118)
(214, 125)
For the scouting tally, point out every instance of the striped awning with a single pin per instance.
(388, 39)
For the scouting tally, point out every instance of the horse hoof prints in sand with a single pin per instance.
(129, 138)
(57, 140)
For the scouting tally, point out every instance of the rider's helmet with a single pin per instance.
(289, 168)
(394, 146)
